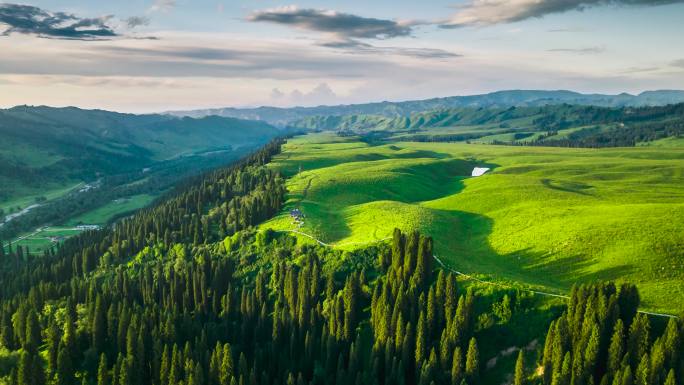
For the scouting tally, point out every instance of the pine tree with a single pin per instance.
(25, 369)
(472, 366)
(638, 338)
(421, 340)
(103, 371)
(457, 367)
(657, 370)
(65, 369)
(642, 375)
(617, 348)
(99, 328)
(33, 339)
(672, 341)
(671, 378)
(627, 376)
(591, 352)
(227, 367)
(519, 375)
(52, 338)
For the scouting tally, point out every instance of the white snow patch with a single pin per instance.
(479, 171)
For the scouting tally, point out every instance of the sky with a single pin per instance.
(161, 55)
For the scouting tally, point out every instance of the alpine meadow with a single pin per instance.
(453, 192)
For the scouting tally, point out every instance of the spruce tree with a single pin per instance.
(457, 367)
(519, 375)
(472, 366)
(103, 371)
(617, 348)
(99, 327)
(670, 378)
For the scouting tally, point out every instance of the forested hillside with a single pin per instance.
(557, 125)
(59, 163)
(187, 292)
(42, 144)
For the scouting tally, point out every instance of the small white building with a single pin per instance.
(479, 171)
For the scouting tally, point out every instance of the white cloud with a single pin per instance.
(489, 12)
(163, 6)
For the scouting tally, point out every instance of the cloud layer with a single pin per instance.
(26, 19)
(357, 47)
(163, 5)
(580, 51)
(343, 25)
(490, 12)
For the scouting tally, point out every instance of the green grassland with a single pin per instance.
(42, 239)
(25, 196)
(544, 217)
(103, 214)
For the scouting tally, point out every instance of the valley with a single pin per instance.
(64, 167)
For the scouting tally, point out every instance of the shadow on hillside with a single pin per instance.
(466, 248)
(566, 186)
(422, 154)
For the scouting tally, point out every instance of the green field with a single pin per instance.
(42, 239)
(102, 214)
(543, 217)
(25, 197)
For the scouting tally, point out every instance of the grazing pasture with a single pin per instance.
(542, 217)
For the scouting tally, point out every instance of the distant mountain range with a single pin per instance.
(500, 99)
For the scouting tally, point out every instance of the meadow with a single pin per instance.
(117, 207)
(544, 218)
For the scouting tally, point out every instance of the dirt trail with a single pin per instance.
(531, 291)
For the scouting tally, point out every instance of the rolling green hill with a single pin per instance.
(547, 217)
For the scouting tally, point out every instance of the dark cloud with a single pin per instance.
(357, 47)
(341, 24)
(27, 19)
(678, 63)
(136, 21)
(580, 51)
(488, 12)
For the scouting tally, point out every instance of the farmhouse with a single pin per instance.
(88, 227)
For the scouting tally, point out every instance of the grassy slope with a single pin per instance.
(101, 215)
(547, 217)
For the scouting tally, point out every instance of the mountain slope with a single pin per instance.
(55, 145)
(556, 125)
(61, 164)
(502, 99)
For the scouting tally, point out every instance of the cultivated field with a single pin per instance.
(543, 217)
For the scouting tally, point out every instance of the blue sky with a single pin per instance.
(155, 55)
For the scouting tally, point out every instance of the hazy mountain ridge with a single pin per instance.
(500, 99)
